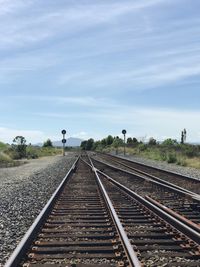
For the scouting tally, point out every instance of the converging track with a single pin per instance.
(186, 182)
(92, 220)
(185, 203)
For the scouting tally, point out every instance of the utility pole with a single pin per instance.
(124, 133)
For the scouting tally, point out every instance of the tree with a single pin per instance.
(104, 142)
(135, 141)
(83, 144)
(20, 146)
(183, 136)
(109, 140)
(129, 140)
(117, 142)
(48, 143)
(152, 141)
(89, 144)
(97, 145)
(169, 142)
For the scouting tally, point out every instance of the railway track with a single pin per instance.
(185, 205)
(186, 182)
(78, 228)
(92, 220)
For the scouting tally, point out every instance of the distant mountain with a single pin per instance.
(71, 141)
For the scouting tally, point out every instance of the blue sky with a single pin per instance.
(97, 67)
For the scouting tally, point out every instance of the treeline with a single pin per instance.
(90, 144)
(169, 150)
(111, 141)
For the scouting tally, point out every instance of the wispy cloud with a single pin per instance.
(46, 23)
(10, 6)
(75, 101)
(139, 121)
(140, 77)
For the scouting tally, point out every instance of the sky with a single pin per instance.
(95, 67)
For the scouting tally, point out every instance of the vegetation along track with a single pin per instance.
(184, 204)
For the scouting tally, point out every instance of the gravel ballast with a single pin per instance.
(24, 191)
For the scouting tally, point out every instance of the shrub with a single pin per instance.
(181, 162)
(4, 158)
(190, 151)
(163, 155)
(170, 142)
(19, 147)
(171, 158)
(152, 141)
(142, 147)
(48, 143)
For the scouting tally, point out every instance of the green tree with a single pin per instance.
(152, 141)
(97, 145)
(183, 136)
(117, 142)
(103, 142)
(129, 140)
(83, 144)
(109, 140)
(19, 146)
(89, 144)
(135, 141)
(170, 142)
(48, 143)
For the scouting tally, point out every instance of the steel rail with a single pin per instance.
(182, 227)
(193, 225)
(192, 195)
(157, 178)
(23, 246)
(153, 168)
(131, 254)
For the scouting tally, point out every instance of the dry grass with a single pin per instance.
(156, 154)
(193, 162)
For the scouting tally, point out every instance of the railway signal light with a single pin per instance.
(63, 132)
(63, 140)
(124, 133)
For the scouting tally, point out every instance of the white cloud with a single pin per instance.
(32, 136)
(139, 121)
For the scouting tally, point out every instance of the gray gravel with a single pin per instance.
(187, 171)
(24, 191)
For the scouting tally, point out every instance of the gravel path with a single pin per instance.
(187, 171)
(27, 188)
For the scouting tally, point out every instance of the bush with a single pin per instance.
(48, 143)
(4, 158)
(163, 155)
(190, 151)
(171, 158)
(142, 147)
(152, 141)
(181, 162)
(169, 142)
(3, 146)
